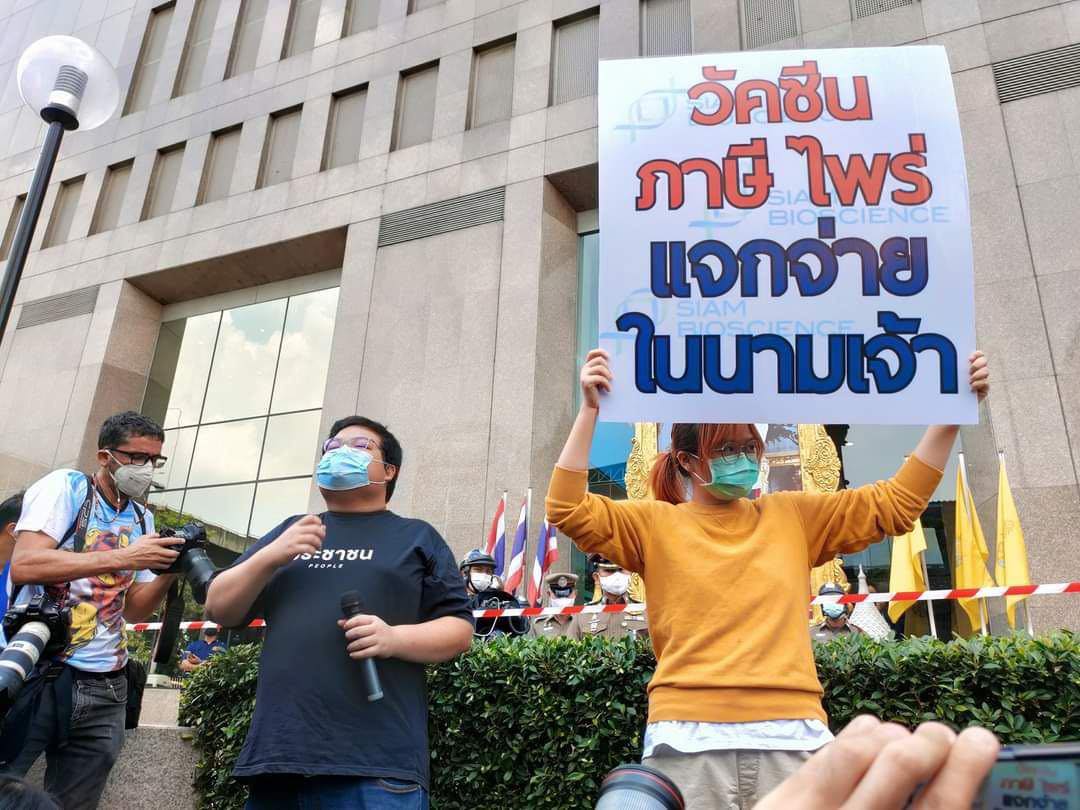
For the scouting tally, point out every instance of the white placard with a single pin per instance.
(785, 237)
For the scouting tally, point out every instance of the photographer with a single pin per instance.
(90, 544)
(320, 735)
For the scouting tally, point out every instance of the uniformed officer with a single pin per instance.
(485, 591)
(835, 622)
(614, 585)
(561, 591)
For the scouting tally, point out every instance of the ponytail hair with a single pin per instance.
(668, 479)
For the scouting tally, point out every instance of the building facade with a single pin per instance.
(310, 208)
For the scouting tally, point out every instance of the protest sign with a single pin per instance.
(785, 237)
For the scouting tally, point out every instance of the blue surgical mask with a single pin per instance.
(833, 611)
(732, 480)
(344, 468)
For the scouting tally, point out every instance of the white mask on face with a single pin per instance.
(616, 584)
(133, 480)
(480, 582)
(561, 601)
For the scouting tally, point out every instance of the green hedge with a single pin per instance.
(537, 723)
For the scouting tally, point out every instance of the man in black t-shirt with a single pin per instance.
(314, 738)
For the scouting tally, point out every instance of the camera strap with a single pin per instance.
(77, 530)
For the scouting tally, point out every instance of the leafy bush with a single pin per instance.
(537, 723)
(217, 702)
(1025, 690)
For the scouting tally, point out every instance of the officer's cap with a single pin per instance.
(561, 584)
(598, 561)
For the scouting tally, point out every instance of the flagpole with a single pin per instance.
(999, 563)
(929, 604)
(525, 548)
(967, 490)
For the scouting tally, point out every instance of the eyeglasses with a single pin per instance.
(356, 443)
(730, 451)
(139, 459)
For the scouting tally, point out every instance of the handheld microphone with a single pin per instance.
(353, 605)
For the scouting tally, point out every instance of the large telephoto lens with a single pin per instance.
(638, 787)
(18, 660)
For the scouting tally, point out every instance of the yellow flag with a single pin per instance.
(971, 551)
(1012, 562)
(906, 572)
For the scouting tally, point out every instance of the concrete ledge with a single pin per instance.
(160, 707)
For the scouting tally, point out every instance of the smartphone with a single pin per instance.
(1040, 777)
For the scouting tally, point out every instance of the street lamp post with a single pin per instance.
(71, 85)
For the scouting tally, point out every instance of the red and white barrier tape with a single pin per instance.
(846, 599)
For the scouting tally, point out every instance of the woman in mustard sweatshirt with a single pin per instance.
(735, 702)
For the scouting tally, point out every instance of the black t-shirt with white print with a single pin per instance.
(312, 715)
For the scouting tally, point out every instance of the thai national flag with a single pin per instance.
(547, 552)
(516, 572)
(496, 544)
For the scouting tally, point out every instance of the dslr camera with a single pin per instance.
(194, 563)
(39, 628)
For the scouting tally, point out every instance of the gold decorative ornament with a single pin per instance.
(643, 451)
(820, 469)
(820, 461)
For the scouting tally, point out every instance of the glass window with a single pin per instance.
(63, 214)
(249, 28)
(111, 201)
(768, 21)
(291, 442)
(149, 61)
(239, 393)
(197, 48)
(220, 163)
(415, 107)
(277, 500)
(345, 129)
(170, 500)
(665, 27)
(492, 85)
(280, 149)
(303, 23)
(363, 15)
(178, 448)
(575, 63)
(178, 376)
(611, 442)
(227, 508)
(305, 351)
(420, 5)
(227, 453)
(163, 182)
(12, 225)
(242, 376)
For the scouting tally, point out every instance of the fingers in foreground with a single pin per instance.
(959, 781)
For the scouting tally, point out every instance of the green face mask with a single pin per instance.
(732, 480)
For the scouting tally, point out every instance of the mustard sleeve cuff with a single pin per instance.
(918, 477)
